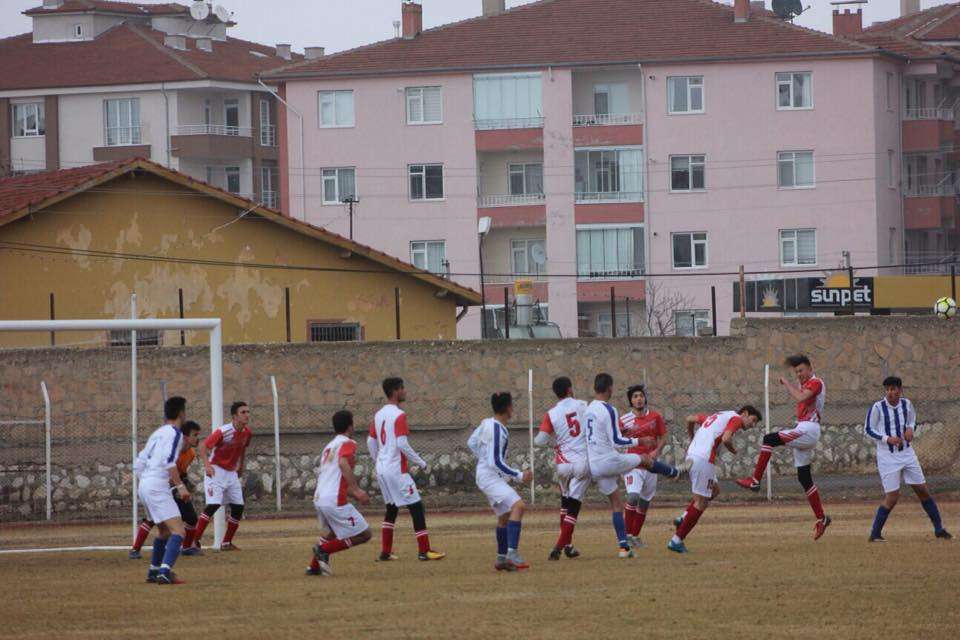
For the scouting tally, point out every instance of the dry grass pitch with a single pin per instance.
(753, 572)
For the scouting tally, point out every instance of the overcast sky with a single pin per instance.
(343, 24)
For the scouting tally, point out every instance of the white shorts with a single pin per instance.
(641, 481)
(574, 478)
(803, 439)
(894, 466)
(500, 495)
(223, 486)
(157, 499)
(606, 471)
(398, 489)
(344, 521)
(703, 475)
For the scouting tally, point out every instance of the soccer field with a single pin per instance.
(753, 572)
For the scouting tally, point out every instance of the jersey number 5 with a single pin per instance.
(573, 425)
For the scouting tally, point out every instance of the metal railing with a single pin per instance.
(212, 130)
(933, 262)
(606, 119)
(123, 136)
(928, 113)
(509, 200)
(609, 196)
(268, 136)
(611, 274)
(508, 123)
(269, 199)
(945, 187)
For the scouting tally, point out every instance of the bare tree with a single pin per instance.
(661, 305)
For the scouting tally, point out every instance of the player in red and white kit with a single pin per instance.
(563, 427)
(810, 395)
(650, 430)
(341, 525)
(707, 433)
(388, 445)
(223, 453)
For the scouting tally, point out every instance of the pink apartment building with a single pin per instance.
(651, 146)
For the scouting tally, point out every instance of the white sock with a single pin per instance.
(675, 540)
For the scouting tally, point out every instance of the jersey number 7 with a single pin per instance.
(573, 425)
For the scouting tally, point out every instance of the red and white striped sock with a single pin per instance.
(641, 517)
(563, 514)
(813, 497)
(386, 537)
(333, 546)
(566, 531)
(762, 460)
(142, 532)
(689, 522)
(629, 518)
(423, 540)
(232, 524)
(202, 523)
(314, 563)
(188, 539)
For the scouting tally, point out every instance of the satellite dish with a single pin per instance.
(199, 10)
(539, 254)
(787, 9)
(224, 15)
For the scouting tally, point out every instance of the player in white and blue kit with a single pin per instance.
(892, 423)
(489, 443)
(156, 469)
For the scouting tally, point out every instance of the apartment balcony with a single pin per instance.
(624, 286)
(513, 211)
(932, 206)
(509, 134)
(493, 288)
(270, 199)
(608, 129)
(931, 263)
(268, 136)
(122, 143)
(928, 129)
(211, 141)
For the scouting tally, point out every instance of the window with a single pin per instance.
(424, 105)
(610, 252)
(336, 109)
(685, 94)
(526, 179)
(430, 255)
(605, 328)
(268, 133)
(609, 174)
(689, 250)
(28, 120)
(611, 99)
(207, 112)
(233, 179)
(528, 256)
(795, 90)
(145, 338)
(891, 169)
(795, 169)
(798, 247)
(231, 117)
(504, 101)
(339, 185)
(123, 122)
(335, 332)
(687, 173)
(268, 191)
(426, 181)
(78, 31)
(691, 322)
(889, 91)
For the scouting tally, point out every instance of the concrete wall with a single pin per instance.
(584, 83)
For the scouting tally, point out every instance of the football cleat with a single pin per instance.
(749, 483)
(571, 551)
(229, 546)
(502, 564)
(514, 558)
(134, 554)
(324, 559)
(635, 542)
(677, 547)
(387, 557)
(555, 554)
(874, 538)
(152, 575)
(625, 553)
(313, 572)
(943, 534)
(191, 551)
(169, 577)
(821, 527)
(431, 555)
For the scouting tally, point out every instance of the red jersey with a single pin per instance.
(226, 446)
(708, 437)
(811, 409)
(649, 425)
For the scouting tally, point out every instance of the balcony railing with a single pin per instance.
(944, 188)
(609, 196)
(212, 130)
(510, 201)
(504, 276)
(123, 136)
(928, 113)
(607, 119)
(610, 274)
(508, 123)
(268, 136)
(921, 262)
(269, 199)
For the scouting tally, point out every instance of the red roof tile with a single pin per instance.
(561, 32)
(903, 25)
(132, 8)
(910, 35)
(34, 188)
(127, 54)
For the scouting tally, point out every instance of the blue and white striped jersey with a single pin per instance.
(885, 420)
(489, 443)
(603, 431)
(159, 454)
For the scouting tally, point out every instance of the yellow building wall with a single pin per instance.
(911, 292)
(151, 216)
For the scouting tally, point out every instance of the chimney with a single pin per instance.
(493, 7)
(909, 6)
(847, 24)
(205, 44)
(412, 20)
(741, 10)
(283, 51)
(175, 42)
(312, 53)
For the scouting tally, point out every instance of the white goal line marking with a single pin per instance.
(50, 549)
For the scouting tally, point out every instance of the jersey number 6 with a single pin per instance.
(383, 433)
(573, 424)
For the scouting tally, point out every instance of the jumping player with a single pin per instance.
(341, 525)
(388, 445)
(489, 443)
(191, 434)
(892, 422)
(607, 464)
(223, 453)
(709, 432)
(156, 468)
(564, 422)
(650, 430)
(810, 396)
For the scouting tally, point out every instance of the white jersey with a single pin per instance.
(565, 422)
(489, 443)
(706, 440)
(603, 431)
(331, 485)
(884, 420)
(389, 425)
(159, 455)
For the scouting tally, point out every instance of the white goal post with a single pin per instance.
(210, 325)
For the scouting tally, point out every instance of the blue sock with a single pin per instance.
(620, 529)
(513, 534)
(879, 520)
(664, 469)
(174, 543)
(159, 545)
(501, 541)
(931, 508)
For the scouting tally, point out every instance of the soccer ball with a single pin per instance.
(945, 308)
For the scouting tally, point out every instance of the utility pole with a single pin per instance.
(350, 201)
